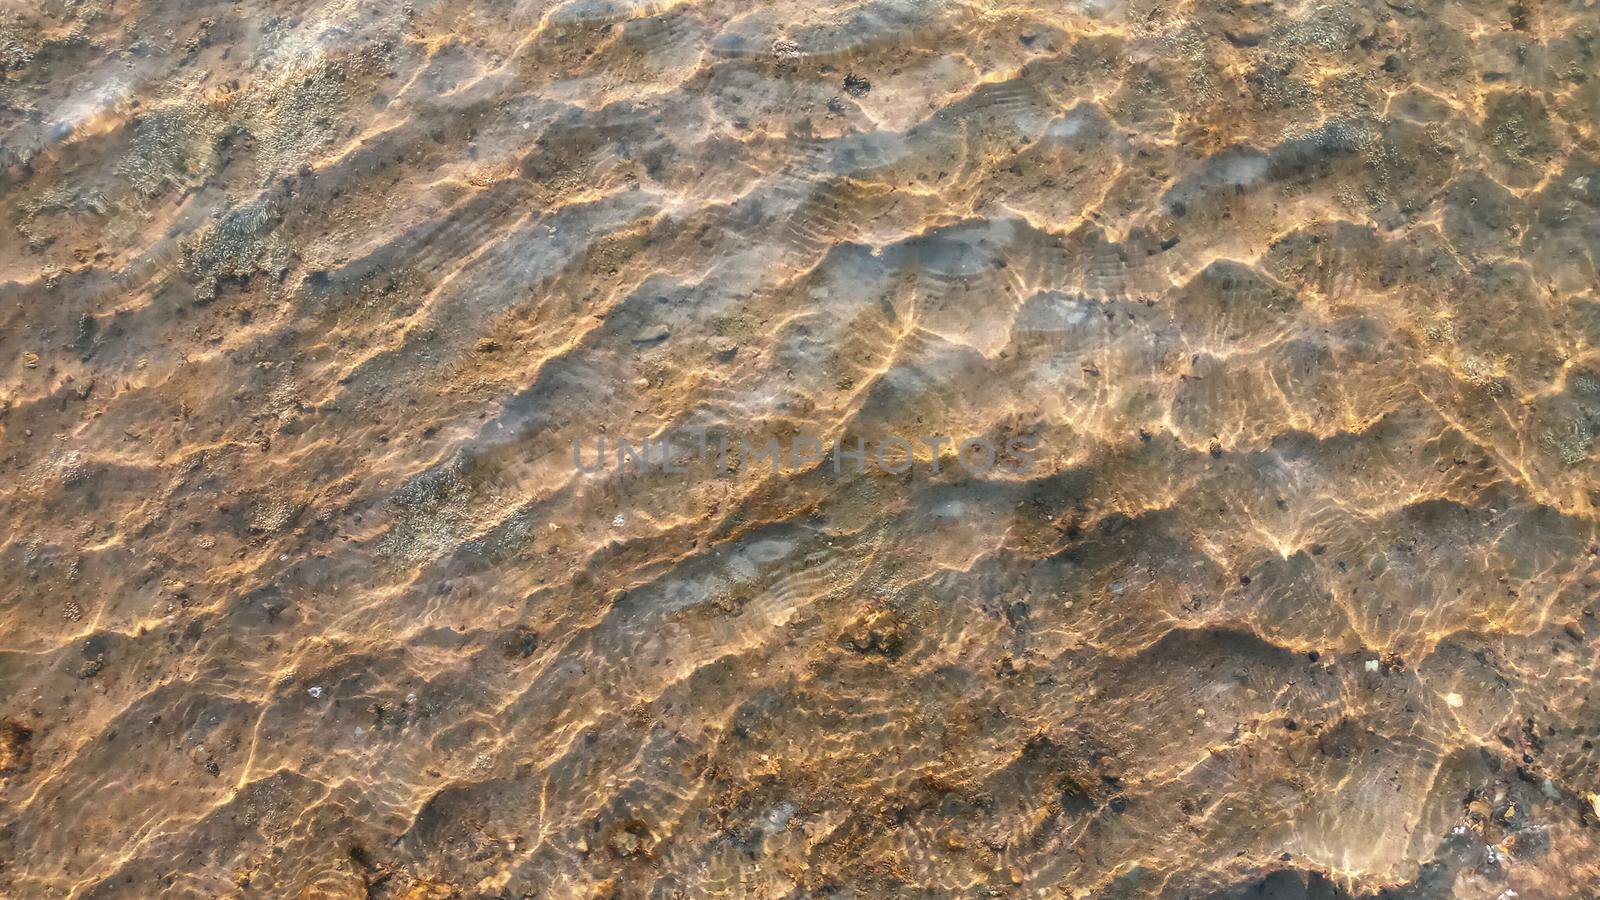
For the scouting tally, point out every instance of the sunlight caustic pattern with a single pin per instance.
(303, 305)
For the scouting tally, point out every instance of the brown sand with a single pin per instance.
(303, 304)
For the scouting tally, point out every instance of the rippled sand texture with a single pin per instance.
(303, 303)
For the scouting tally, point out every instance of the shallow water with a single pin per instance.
(1280, 320)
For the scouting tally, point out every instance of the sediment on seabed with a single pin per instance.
(305, 305)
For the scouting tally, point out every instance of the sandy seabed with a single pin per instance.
(303, 305)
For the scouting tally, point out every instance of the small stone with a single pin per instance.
(625, 843)
(30, 360)
(315, 692)
(1373, 665)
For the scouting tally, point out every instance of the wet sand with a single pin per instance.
(304, 304)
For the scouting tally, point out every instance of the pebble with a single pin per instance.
(625, 843)
(315, 692)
